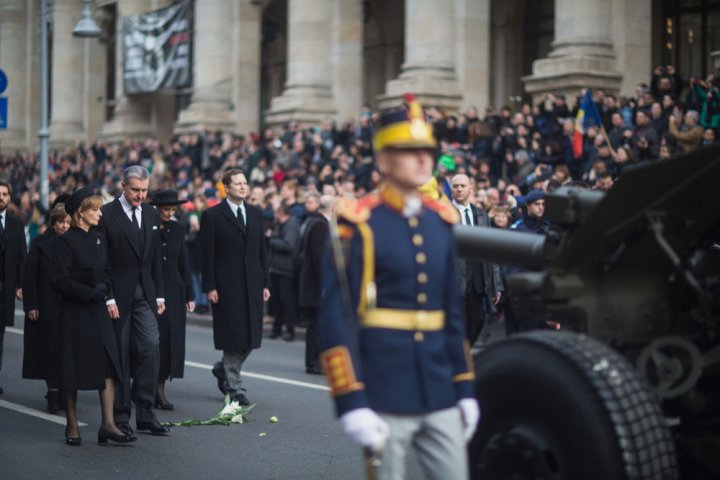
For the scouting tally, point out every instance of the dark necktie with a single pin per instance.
(467, 217)
(135, 218)
(241, 218)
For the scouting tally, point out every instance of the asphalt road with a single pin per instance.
(306, 442)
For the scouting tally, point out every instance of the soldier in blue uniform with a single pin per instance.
(532, 221)
(391, 328)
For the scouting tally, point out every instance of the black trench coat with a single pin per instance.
(39, 295)
(178, 291)
(14, 250)
(85, 336)
(314, 241)
(234, 262)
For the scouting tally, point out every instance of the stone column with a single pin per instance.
(213, 66)
(14, 22)
(68, 87)
(472, 48)
(429, 70)
(307, 97)
(582, 53)
(131, 117)
(347, 57)
(632, 37)
(246, 77)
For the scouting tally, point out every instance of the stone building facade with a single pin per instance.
(268, 62)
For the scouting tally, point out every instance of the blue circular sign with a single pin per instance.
(3, 81)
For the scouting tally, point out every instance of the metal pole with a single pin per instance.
(44, 132)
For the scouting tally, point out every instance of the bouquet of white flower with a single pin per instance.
(231, 413)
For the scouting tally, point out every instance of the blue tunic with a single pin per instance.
(398, 347)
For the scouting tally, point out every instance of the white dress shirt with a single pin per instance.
(462, 210)
(234, 207)
(128, 209)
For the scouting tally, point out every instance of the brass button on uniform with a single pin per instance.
(422, 298)
(417, 240)
(419, 337)
(413, 222)
(422, 277)
(421, 258)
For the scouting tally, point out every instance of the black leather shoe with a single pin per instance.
(241, 399)
(154, 428)
(314, 370)
(289, 337)
(72, 441)
(219, 373)
(1, 391)
(125, 428)
(104, 436)
(274, 335)
(164, 406)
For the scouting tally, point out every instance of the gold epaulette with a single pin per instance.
(356, 211)
(442, 207)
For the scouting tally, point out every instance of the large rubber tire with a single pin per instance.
(558, 405)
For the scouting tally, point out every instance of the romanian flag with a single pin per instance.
(587, 115)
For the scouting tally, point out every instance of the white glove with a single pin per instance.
(470, 413)
(365, 427)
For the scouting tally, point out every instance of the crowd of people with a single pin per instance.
(506, 152)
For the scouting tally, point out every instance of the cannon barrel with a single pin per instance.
(502, 247)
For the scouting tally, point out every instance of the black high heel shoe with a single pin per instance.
(164, 406)
(72, 441)
(104, 436)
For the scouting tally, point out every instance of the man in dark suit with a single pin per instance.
(315, 233)
(235, 277)
(136, 297)
(479, 283)
(13, 250)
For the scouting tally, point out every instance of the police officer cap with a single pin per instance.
(534, 196)
(73, 203)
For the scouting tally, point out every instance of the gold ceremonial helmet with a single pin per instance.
(404, 127)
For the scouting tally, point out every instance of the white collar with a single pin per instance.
(460, 207)
(126, 205)
(234, 206)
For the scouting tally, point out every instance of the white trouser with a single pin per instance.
(437, 439)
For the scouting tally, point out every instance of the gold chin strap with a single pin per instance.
(368, 292)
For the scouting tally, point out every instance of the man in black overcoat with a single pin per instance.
(235, 277)
(315, 233)
(136, 297)
(479, 283)
(13, 250)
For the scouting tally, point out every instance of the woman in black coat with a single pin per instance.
(85, 344)
(40, 305)
(179, 295)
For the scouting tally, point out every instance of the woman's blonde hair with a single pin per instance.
(93, 201)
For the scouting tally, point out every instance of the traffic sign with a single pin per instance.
(3, 81)
(3, 112)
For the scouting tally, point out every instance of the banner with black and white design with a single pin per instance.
(157, 48)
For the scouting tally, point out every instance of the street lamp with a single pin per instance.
(85, 28)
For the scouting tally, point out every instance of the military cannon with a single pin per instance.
(629, 388)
